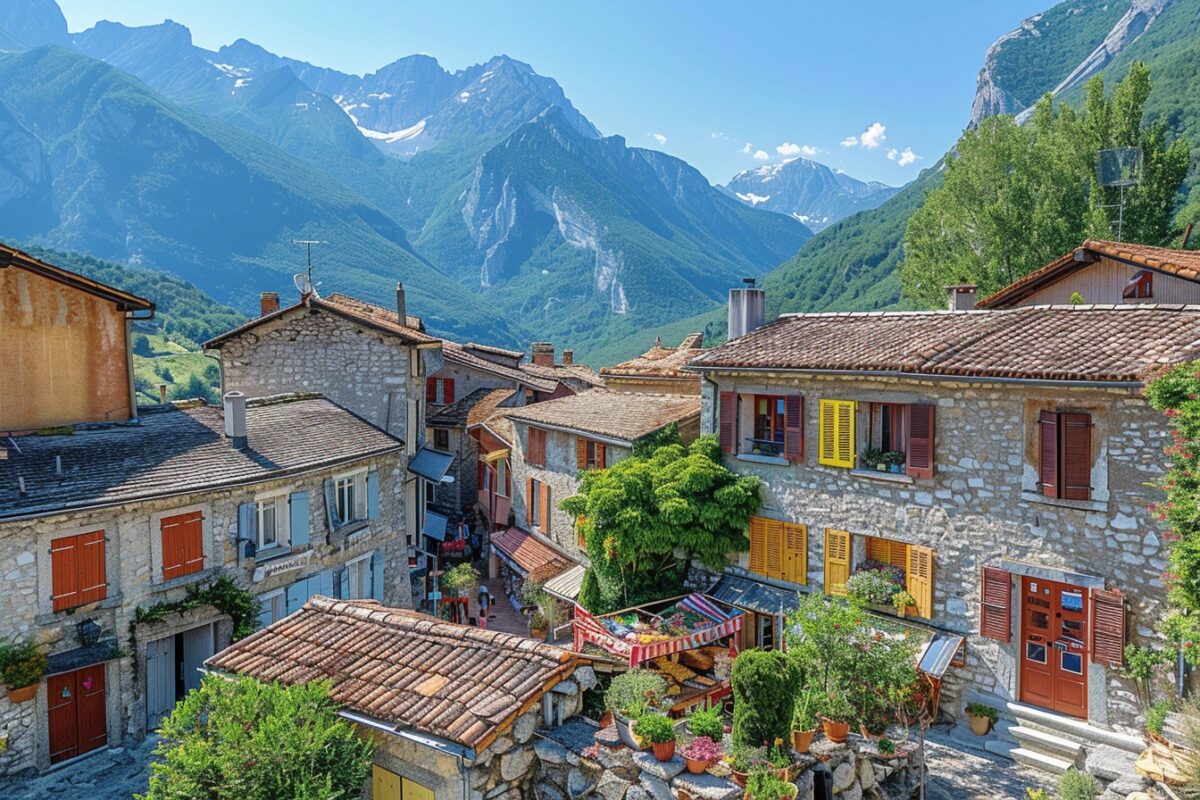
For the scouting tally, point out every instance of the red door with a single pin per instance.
(78, 722)
(1054, 646)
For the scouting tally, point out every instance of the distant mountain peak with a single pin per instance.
(807, 190)
(33, 22)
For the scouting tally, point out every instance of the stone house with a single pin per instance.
(1012, 504)
(460, 726)
(659, 370)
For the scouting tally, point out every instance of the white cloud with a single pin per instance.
(873, 136)
(658, 137)
(790, 149)
(748, 149)
(761, 155)
(719, 135)
(808, 151)
(850, 141)
(902, 157)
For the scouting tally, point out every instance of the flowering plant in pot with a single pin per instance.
(744, 760)
(700, 753)
(766, 785)
(835, 712)
(902, 601)
(659, 732)
(804, 720)
(630, 695)
(22, 667)
(981, 717)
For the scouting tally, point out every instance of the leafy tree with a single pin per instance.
(644, 510)
(212, 375)
(141, 345)
(248, 740)
(1015, 197)
(194, 386)
(764, 684)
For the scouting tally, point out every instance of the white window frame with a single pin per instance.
(267, 600)
(283, 519)
(348, 586)
(359, 487)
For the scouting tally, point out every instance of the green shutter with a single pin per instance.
(298, 519)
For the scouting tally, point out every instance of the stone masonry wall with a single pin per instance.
(982, 506)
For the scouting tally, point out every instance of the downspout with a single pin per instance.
(466, 780)
(133, 407)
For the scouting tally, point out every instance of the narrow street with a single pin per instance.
(958, 773)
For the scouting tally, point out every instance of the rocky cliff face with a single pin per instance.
(33, 22)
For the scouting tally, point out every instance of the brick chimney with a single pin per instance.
(961, 296)
(568, 358)
(543, 354)
(268, 303)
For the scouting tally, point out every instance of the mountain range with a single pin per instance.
(808, 191)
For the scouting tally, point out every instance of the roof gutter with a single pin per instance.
(421, 739)
(923, 376)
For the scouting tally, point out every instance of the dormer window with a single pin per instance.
(1140, 286)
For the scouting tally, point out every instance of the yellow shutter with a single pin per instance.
(796, 553)
(758, 545)
(837, 561)
(837, 433)
(415, 791)
(920, 578)
(384, 785)
(774, 549)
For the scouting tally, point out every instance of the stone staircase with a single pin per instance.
(1044, 740)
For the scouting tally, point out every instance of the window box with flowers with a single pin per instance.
(875, 583)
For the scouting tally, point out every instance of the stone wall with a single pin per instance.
(982, 507)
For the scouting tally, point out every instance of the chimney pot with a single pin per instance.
(961, 296)
(747, 309)
(268, 303)
(401, 305)
(235, 418)
(568, 357)
(543, 354)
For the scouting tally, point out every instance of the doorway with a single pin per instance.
(173, 669)
(78, 717)
(1054, 651)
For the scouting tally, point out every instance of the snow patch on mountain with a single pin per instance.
(411, 132)
(580, 230)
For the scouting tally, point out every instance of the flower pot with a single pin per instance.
(695, 765)
(625, 732)
(881, 467)
(979, 725)
(538, 633)
(22, 695)
(606, 720)
(739, 777)
(894, 469)
(835, 731)
(664, 751)
(802, 740)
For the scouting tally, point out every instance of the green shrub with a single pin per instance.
(886, 747)
(21, 664)
(1076, 785)
(461, 578)
(707, 722)
(982, 710)
(654, 728)
(804, 711)
(1156, 716)
(632, 693)
(764, 686)
(766, 785)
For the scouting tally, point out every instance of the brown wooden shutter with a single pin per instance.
(1048, 468)
(536, 453)
(995, 604)
(793, 437)
(448, 390)
(880, 550)
(920, 440)
(507, 479)
(1076, 474)
(93, 584)
(601, 456)
(182, 545)
(728, 422)
(581, 452)
(796, 557)
(430, 390)
(1108, 627)
(64, 572)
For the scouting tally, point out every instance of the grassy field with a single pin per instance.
(187, 373)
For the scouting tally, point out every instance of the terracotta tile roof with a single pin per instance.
(539, 559)
(624, 416)
(486, 407)
(455, 414)
(573, 375)
(1183, 264)
(515, 355)
(1062, 343)
(377, 317)
(501, 427)
(10, 256)
(183, 449)
(661, 362)
(460, 683)
(456, 353)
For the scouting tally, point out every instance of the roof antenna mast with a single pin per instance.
(304, 281)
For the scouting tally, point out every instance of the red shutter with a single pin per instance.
(448, 390)
(537, 447)
(93, 584)
(601, 456)
(1048, 468)
(1108, 627)
(430, 390)
(64, 572)
(182, 545)
(995, 604)
(920, 440)
(793, 420)
(728, 422)
(1076, 475)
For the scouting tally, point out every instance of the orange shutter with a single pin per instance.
(758, 545)
(1108, 627)
(182, 545)
(920, 578)
(837, 561)
(581, 452)
(93, 583)
(580, 533)
(879, 550)
(774, 566)
(995, 604)
(601, 456)
(796, 553)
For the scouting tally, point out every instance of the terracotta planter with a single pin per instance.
(739, 777)
(664, 751)
(695, 765)
(802, 740)
(538, 633)
(22, 695)
(979, 725)
(836, 732)
(606, 720)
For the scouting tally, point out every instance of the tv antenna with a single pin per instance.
(1119, 167)
(303, 280)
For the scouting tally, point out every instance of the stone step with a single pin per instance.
(1071, 728)
(1048, 743)
(1036, 760)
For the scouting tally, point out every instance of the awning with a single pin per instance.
(566, 586)
(435, 526)
(528, 555)
(754, 596)
(430, 464)
(939, 653)
(495, 455)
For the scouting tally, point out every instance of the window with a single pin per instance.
(439, 391)
(441, 438)
(537, 506)
(358, 579)
(351, 494)
(915, 561)
(77, 570)
(837, 433)
(1065, 444)
(535, 450)
(779, 550)
(272, 517)
(1140, 286)
(503, 480)
(768, 425)
(590, 454)
(182, 545)
(776, 425)
(274, 607)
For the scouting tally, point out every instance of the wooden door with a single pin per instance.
(77, 715)
(1054, 644)
(160, 680)
(197, 647)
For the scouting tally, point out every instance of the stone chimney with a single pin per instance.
(235, 418)
(268, 303)
(543, 354)
(162, 394)
(961, 296)
(401, 306)
(568, 357)
(747, 309)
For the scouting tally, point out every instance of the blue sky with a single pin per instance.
(877, 88)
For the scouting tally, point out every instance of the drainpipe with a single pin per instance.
(466, 780)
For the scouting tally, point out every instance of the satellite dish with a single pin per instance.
(304, 285)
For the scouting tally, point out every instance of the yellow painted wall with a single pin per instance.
(63, 355)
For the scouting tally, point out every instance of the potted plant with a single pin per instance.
(886, 747)
(804, 721)
(745, 759)
(630, 695)
(835, 714)
(22, 666)
(895, 461)
(700, 753)
(766, 785)
(707, 722)
(902, 601)
(461, 580)
(981, 718)
(659, 732)
(538, 625)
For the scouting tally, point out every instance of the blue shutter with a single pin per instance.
(326, 583)
(298, 521)
(377, 575)
(264, 618)
(331, 506)
(340, 589)
(247, 524)
(372, 494)
(297, 593)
